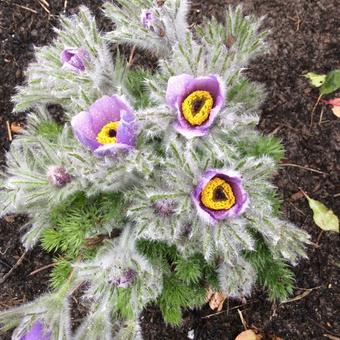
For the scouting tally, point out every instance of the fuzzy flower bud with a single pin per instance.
(164, 208)
(37, 332)
(126, 279)
(58, 176)
(74, 59)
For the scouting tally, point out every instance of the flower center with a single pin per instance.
(197, 106)
(108, 133)
(218, 195)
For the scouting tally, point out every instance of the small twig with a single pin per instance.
(226, 311)
(314, 108)
(4, 278)
(319, 237)
(65, 5)
(301, 296)
(321, 116)
(321, 326)
(303, 167)
(41, 269)
(27, 8)
(244, 323)
(332, 337)
(132, 56)
(336, 195)
(9, 132)
(43, 5)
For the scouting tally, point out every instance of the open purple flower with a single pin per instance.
(107, 128)
(220, 195)
(126, 279)
(74, 59)
(197, 102)
(37, 332)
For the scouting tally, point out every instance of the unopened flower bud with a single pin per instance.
(58, 176)
(74, 59)
(164, 208)
(126, 279)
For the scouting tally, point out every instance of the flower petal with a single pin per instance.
(83, 130)
(177, 88)
(37, 332)
(127, 129)
(105, 110)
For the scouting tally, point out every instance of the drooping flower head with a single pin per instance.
(107, 127)
(126, 279)
(220, 195)
(197, 102)
(37, 332)
(58, 176)
(74, 59)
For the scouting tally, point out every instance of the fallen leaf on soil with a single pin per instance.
(215, 299)
(298, 195)
(331, 84)
(336, 105)
(249, 335)
(16, 127)
(323, 217)
(315, 79)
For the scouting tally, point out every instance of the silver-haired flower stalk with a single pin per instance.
(220, 195)
(197, 101)
(74, 59)
(37, 332)
(108, 126)
(58, 176)
(126, 280)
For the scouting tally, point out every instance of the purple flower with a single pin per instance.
(74, 59)
(126, 279)
(37, 332)
(220, 195)
(58, 176)
(107, 127)
(148, 19)
(197, 102)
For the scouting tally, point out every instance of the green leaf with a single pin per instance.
(323, 217)
(332, 83)
(315, 79)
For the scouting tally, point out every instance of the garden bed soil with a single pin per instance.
(303, 38)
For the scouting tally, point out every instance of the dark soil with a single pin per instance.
(303, 38)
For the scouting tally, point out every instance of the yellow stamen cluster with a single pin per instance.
(107, 135)
(197, 106)
(218, 195)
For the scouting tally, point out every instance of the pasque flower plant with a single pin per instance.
(157, 187)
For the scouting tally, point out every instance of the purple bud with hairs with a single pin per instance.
(126, 279)
(58, 176)
(74, 59)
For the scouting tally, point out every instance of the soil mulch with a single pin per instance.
(303, 38)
